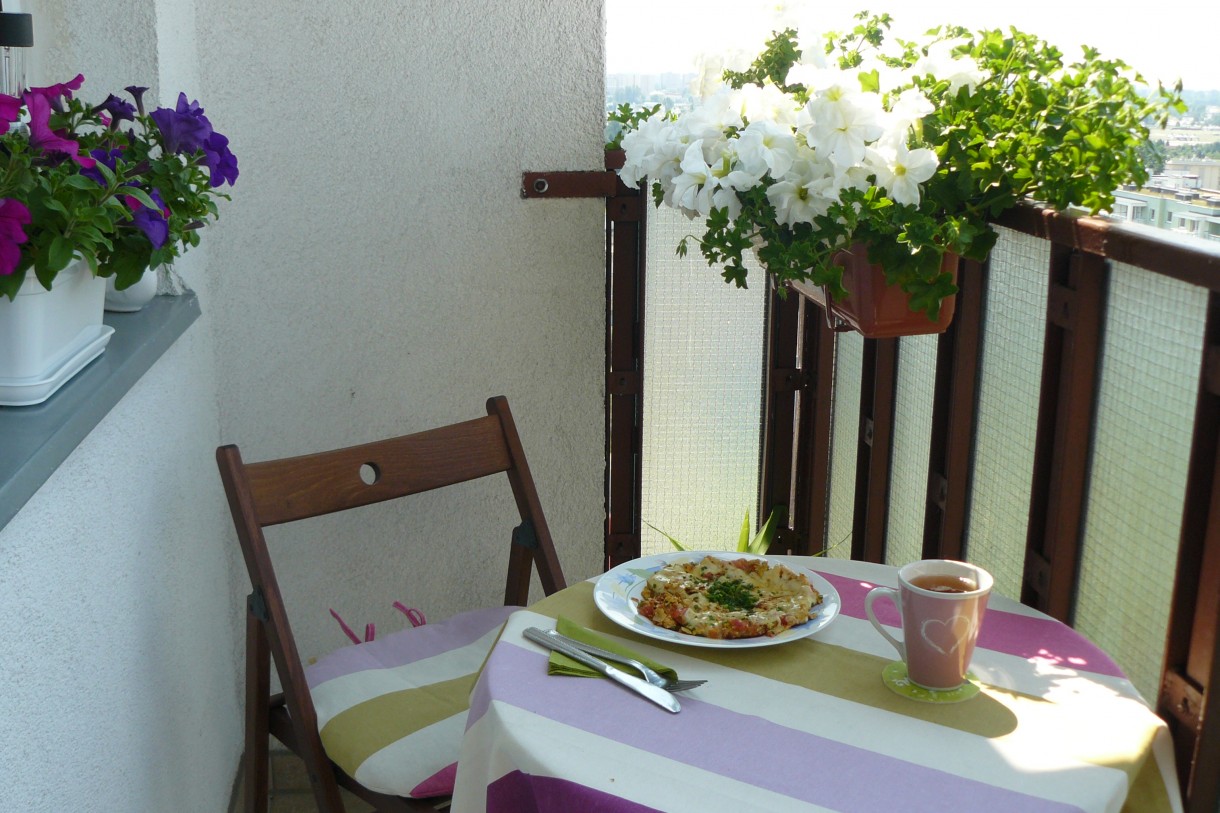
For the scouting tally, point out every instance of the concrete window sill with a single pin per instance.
(35, 440)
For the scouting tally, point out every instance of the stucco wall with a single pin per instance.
(379, 272)
(376, 273)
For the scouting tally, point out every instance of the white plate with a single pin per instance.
(617, 593)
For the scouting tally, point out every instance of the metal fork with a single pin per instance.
(650, 675)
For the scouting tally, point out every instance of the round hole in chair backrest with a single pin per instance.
(370, 473)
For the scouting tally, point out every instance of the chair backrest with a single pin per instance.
(286, 490)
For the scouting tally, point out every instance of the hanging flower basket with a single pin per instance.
(872, 307)
(823, 142)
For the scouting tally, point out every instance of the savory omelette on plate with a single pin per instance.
(725, 598)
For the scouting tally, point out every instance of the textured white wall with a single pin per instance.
(381, 274)
(376, 273)
(121, 653)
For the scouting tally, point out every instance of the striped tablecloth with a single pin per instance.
(809, 726)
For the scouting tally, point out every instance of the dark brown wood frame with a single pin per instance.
(1082, 248)
(291, 489)
(796, 437)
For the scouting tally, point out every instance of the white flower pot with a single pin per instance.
(46, 337)
(132, 298)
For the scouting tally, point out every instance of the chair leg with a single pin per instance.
(258, 688)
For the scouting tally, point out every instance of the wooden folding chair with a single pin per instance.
(286, 490)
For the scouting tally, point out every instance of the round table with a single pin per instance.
(808, 725)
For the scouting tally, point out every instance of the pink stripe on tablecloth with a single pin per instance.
(759, 752)
(517, 792)
(408, 645)
(1043, 639)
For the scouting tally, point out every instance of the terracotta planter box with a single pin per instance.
(874, 309)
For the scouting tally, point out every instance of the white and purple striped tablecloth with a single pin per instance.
(809, 726)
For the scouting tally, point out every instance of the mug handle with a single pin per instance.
(892, 595)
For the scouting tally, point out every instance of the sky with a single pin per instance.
(1164, 41)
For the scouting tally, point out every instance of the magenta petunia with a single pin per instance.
(14, 216)
(44, 138)
(10, 111)
(63, 90)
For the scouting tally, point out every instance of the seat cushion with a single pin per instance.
(391, 712)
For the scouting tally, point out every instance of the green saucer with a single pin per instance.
(894, 675)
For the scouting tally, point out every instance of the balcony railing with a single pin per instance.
(1063, 432)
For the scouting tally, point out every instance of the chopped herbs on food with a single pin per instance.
(732, 593)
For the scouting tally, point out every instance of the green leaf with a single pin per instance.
(761, 542)
(59, 254)
(81, 182)
(142, 197)
(743, 538)
(672, 541)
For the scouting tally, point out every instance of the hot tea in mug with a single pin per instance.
(942, 603)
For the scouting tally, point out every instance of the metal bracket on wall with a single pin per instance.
(256, 603)
(575, 184)
(526, 536)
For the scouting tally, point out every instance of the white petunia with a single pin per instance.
(900, 171)
(909, 107)
(806, 191)
(691, 190)
(840, 122)
(766, 147)
(718, 113)
(768, 102)
(647, 149)
(959, 71)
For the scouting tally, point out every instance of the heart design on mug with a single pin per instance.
(946, 636)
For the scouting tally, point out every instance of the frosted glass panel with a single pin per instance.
(1145, 409)
(703, 347)
(1009, 385)
(912, 443)
(845, 437)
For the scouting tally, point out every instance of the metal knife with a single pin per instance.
(659, 696)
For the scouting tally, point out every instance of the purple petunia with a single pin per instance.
(185, 128)
(13, 216)
(150, 221)
(45, 139)
(118, 109)
(100, 156)
(137, 93)
(220, 160)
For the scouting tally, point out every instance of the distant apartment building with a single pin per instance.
(1186, 199)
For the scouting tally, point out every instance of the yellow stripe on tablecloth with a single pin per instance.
(1148, 790)
(1095, 733)
(830, 670)
(364, 729)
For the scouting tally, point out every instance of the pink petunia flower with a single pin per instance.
(44, 138)
(13, 217)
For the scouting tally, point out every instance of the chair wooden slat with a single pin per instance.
(310, 485)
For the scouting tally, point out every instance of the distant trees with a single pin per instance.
(1198, 102)
(1154, 155)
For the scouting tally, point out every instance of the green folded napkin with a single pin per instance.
(561, 664)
